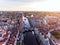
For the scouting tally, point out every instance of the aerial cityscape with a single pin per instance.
(29, 28)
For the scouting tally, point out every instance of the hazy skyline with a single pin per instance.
(28, 5)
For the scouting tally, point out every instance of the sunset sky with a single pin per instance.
(30, 5)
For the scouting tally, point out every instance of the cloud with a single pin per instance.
(26, 0)
(20, 0)
(25, 5)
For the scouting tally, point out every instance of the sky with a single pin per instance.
(29, 5)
